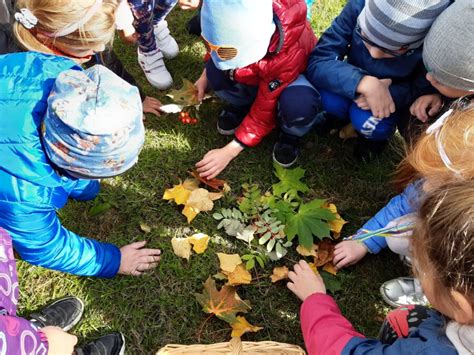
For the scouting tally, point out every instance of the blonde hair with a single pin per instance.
(55, 15)
(454, 139)
(444, 242)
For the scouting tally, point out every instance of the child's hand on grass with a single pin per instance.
(216, 160)
(59, 342)
(426, 106)
(304, 281)
(136, 259)
(189, 4)
(377, 95)
(201, 85)
(348, 253)
(152, 105)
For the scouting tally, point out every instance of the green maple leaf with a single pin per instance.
(289, 181)
(225, 304)
(310, 220)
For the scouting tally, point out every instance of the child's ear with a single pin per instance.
(464, 312)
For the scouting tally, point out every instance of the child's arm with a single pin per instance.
(327, 68)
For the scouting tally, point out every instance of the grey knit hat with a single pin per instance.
(448, 51)
(399, 24)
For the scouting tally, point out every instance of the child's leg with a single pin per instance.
(162, 9)
(143, 22)
(371, 128)
(336, 106)
(401, 321)
(299, 106)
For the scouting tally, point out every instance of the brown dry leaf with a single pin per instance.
(300, 249)
(325, 253)
(214, 196)
(216, 184)
(329, 267)
(225, 304)
(186, 96)
(240, 276)
(199, 241)
(181, 247)
(228, 262)
(279, 273)
(348, 132)
(242, 326)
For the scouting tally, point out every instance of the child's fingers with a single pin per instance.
(138, 245)
(291, 286)
(342, 263)
(297, 268)
(147, 266)
(150, 252)
(338, 257)
(292, 276)
(304, 265)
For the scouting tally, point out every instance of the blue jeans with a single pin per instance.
(146, 14)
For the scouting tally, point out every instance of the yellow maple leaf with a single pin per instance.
(228, 262)
(199, 241)
(240, 276)
(279, 273)
(300, 249)
(181, 247)
(242, 326)
(336, 224)
(190, 213)
(178, 193)
(314, 268)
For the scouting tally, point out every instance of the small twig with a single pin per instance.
(201, 328)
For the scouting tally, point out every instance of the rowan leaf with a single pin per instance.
(186, 96)
(289, 181)
(240, 276)
(225, 303)
(199, 241)
(181, 247)
(242, 326)
(228, 262)
(279, 273)
(310, 220)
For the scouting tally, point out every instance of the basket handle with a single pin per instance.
(236, 346)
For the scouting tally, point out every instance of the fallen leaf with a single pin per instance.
(325, 253)
(240, 276)
(216, 184)
(145, 228)
(242, 326)
(348, 132)
(225, 304)
(190, 213)
(178, 193)
(186, 96)
(247, 234)
(181, 247)
(99, 209)
(191, 184)
(200, 200)
(228, 262)
(220, 276)
(336, 224)
(214, 196)
(300, 249)
(329, 267)
(199, 241)
(279, 273)
(314, 268)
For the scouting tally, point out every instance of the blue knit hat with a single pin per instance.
(246, 25)
(93, 127)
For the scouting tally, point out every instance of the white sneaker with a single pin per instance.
(402, 291)
(164, 41)
(155, 70)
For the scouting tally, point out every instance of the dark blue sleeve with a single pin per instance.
(326, 67)
(405, 93)
(40, 239)
(398, 206)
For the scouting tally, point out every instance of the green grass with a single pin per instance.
(160, 308)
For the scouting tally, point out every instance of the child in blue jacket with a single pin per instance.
(368, 66)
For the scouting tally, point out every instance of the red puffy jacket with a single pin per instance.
(287, 57)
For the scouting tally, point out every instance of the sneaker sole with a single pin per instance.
(289, 165)
(122, 350)
(225, 132)
(387, 300)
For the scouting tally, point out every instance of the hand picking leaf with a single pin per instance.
(216, 184)
(242, 326)
(325, 253)
(300, 249)
(199, 241)
(186, 96)
(225, 304)
(181, 247)
(279, 273)
(311, 220)
(289, 181)
(240, 276)
(228, 262)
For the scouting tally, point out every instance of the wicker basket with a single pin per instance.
(234, 347)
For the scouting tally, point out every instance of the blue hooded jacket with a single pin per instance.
(340, 60)
(30, 189)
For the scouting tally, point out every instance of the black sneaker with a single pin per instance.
(366, 150)
(64, 313)
(230, 118)
(194, 25)
(111, 344)
(286, 150)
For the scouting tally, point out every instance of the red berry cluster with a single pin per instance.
(185, 118)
